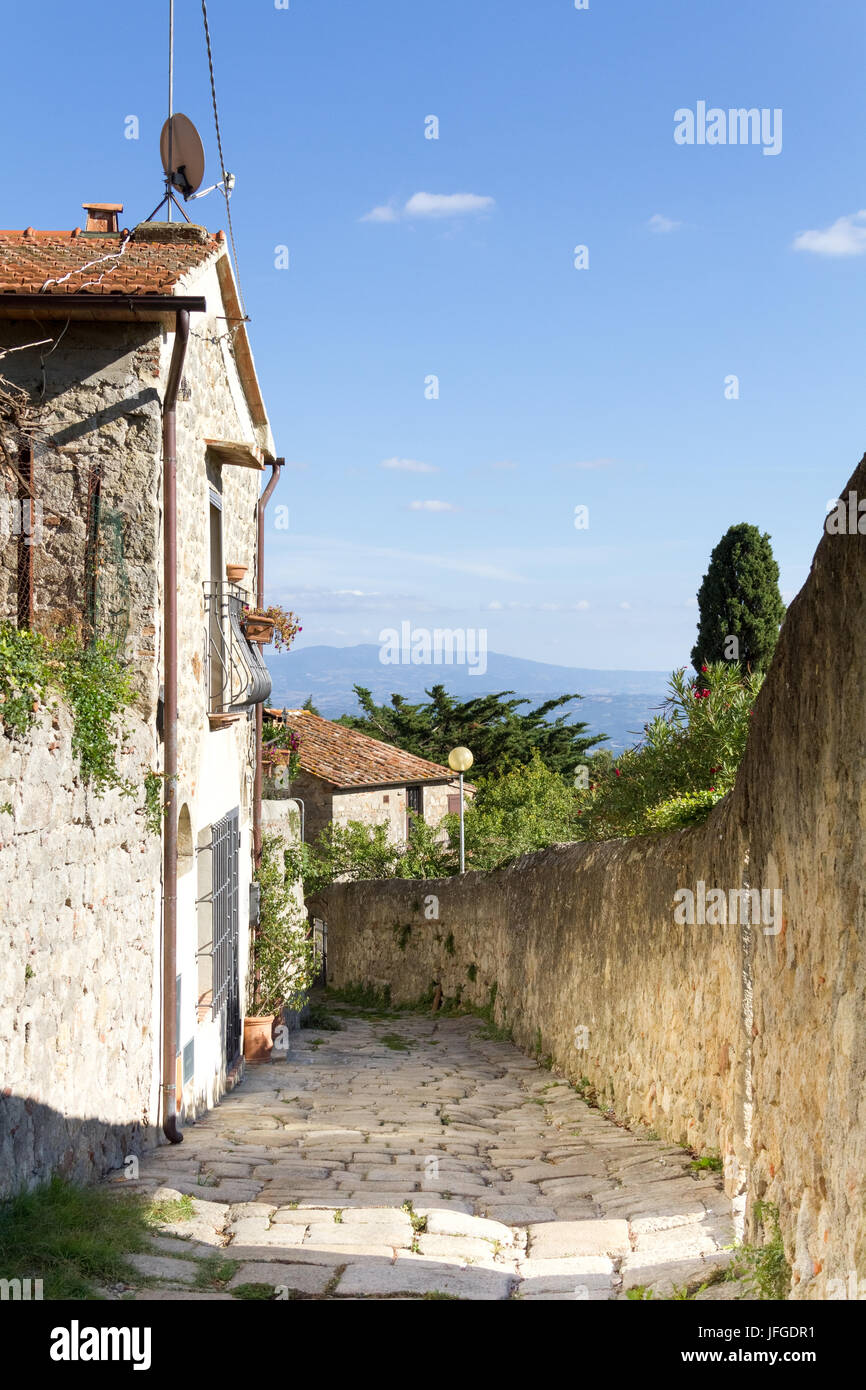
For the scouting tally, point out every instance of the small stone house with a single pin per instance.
(347, 776)
(134, 443)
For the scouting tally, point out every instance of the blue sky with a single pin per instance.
(558, 387)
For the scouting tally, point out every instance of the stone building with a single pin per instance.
(124, 967)
(347, 776)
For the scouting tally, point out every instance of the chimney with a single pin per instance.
(102, 217)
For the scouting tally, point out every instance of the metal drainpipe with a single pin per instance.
(169, 863)
(276, 469)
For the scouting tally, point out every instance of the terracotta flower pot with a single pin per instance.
(258, 1037)
(281, 756)
(259, 629)
(235, 573)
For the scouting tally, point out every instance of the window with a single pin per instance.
(215, 635)
(415, 800)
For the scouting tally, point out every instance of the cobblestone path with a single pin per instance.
(405, 1156)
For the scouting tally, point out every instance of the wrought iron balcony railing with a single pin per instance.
(236, 672)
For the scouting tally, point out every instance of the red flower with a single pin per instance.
(712, 789)
(703, 668)
(617, 771)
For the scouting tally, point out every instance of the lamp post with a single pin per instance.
(460, 760)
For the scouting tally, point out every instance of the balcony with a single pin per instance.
(237, 676)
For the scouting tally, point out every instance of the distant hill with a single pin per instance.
(617, 703)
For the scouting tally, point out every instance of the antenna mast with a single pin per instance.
(170, 101)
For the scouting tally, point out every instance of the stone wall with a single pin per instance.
(80, 989)
(746, 1038)
(79, 920)
(101, 412)
(376, 806)
(370, 806)
(79, 1040)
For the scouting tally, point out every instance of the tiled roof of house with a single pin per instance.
(145, 262)
(345, 758)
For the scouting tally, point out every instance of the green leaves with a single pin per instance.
(739, 598)
(687, 762)
(284, 960)
(24, 676)
(99, 688)
(496, 729)
(93, 680)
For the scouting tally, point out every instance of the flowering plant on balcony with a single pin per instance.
(281, 745)
(272, 624)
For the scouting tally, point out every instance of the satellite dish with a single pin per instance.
(187, 154)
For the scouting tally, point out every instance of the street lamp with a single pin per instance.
(460, 760)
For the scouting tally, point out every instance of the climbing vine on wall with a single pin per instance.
(92, 680)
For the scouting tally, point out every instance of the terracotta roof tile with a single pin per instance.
(345, 758)
(36, 262)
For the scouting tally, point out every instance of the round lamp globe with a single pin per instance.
(460, 759)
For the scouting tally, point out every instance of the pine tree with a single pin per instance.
(498, 732)
(739, 598)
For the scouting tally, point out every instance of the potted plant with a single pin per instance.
(281, 748)
(235, 573)
(271, 624)
(283, 959)
(258, 627)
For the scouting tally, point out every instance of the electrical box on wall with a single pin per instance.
(255, 904)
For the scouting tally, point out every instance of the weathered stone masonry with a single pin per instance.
(80, 876)
(732, 1037)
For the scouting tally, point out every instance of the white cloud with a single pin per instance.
(432, 506)
(409, 466)
(846, 237)
(625, 605)
(659, 223)
(381, 214)
(521, 606)
(445, 204)
(432, 205)
(504, 463)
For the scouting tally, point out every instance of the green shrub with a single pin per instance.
(24, 676)
(284, 959)
(98, 686)
(764, 1267)
(677, 811)
(687, 761)
(93, 680)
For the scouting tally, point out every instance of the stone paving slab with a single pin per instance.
(456, 1168)
(556, 1239)
(302, 1278)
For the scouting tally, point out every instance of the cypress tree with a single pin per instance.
(739, 597)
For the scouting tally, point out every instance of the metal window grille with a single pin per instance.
(237, 674)
(225, 845)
